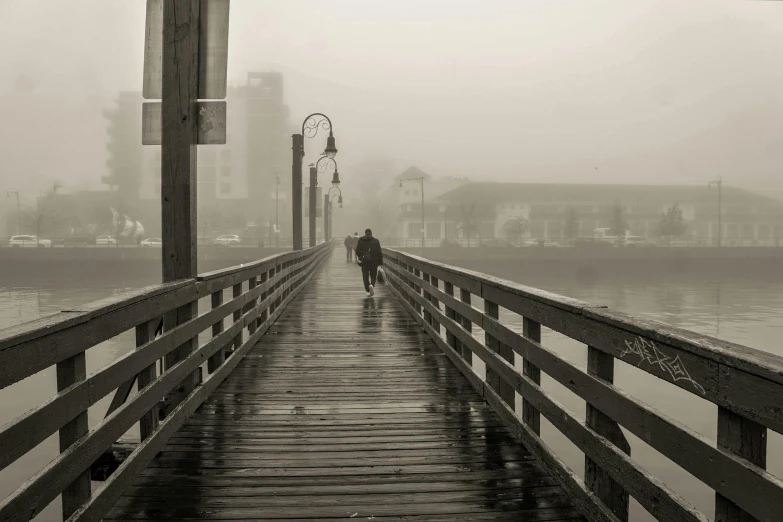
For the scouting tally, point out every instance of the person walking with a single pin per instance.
(349, 247)
(369, 257)
(355, 240)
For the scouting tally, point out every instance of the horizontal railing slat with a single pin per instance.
(20, 360)
(104, 319)
(122, 478)
(574, 486)
(745, 381)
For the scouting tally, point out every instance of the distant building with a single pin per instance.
(537, 210)
(406, 197)
(236, 182)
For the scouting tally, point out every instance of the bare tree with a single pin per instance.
(672, 223)
(618, 224)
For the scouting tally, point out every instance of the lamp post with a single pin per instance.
(329, 198)
(315, 168)
(18, 211)
(421, 182)
(310, 127)
(718, 183)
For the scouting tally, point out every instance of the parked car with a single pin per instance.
(77, 241)
(497, 243)
(23, 241)
(152, 242)
(105, 240)
(450, 243)
(229, 239)
(636, 241)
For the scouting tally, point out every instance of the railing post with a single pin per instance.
(145, 332)
(236, 291)
(263, 314)
(427, 314)
(504, 389)
(252, 283)
(218, 357)
(417, 289)
(464, 296)
(436, 304)
(532, 330)
(745, 438)
(611, 493)
(70, 371)
(451, 339)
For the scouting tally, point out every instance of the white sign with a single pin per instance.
(213, 50)
(211, 123)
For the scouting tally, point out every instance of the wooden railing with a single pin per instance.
(259, 293)
(745, 384)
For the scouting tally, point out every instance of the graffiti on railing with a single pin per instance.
(649, 352)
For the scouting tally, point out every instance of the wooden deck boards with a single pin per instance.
(344, 410)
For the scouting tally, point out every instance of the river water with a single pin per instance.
(742, 310)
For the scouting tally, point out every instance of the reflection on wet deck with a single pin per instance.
(345, 409)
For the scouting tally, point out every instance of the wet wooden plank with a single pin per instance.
(345, 408)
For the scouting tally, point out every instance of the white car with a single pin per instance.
(105, 240)
(152, 242)
(229, 239)
(28, 242)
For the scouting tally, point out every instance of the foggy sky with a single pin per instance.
(587, 91)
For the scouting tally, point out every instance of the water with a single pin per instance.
(745, 311)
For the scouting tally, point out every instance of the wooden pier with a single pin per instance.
(313, 402)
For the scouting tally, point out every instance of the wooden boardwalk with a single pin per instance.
(345, 409)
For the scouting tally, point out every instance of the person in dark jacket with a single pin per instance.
(349, 247)
(370, 257)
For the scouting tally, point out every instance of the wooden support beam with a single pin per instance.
(611, 493)
(70, 371)
(748, 439)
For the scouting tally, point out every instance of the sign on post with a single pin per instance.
(213, 72)
(211, 123)
(213, 50)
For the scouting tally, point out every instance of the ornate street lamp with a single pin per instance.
(310, 127)
(328, 199)
(320, 167)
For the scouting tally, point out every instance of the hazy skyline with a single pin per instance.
(571, 91)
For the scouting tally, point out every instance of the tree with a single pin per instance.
(672, 223)
(571, 225)
(515, 228)
(468, 224)
(618, 225)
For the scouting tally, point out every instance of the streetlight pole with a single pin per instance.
(718, 183)
(310, 127)
(277, 212)
(421, 182)
(18, 211)
(329, 198)
(315, 169)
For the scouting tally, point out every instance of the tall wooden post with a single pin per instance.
(181, 20)
(312, 203)
(296, 189)
(327, 232)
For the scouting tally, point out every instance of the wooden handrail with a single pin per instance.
(746, 384)
(260, 292)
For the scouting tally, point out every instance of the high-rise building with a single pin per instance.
(125, 153)
(237, 182)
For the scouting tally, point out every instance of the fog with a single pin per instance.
(602, 91)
